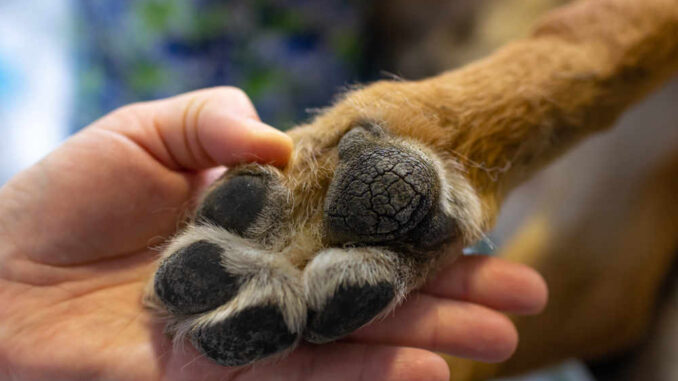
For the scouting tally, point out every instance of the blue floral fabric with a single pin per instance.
(288, 55)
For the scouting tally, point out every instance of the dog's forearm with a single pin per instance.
(582, 66)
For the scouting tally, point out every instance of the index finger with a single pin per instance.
(493, 282)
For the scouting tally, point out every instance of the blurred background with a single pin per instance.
(37, 86)
(65, 63)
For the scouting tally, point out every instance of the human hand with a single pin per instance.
(75, 231)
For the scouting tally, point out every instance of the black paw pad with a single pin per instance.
(434, 231)
(347, 310)
(192, 280)
(250, 335)
(235, 204)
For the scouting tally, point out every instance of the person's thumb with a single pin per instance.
(201, 129)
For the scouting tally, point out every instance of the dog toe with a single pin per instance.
(248, 335)
(192, 280)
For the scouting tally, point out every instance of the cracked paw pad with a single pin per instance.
(380, 191)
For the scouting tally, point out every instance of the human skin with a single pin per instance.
(77, 232)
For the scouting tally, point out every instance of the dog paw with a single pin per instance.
(315, 251)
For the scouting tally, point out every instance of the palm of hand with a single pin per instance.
(75, 292)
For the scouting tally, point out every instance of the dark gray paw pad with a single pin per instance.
(250, 335)
(192, 280)
(380, 196)
(235, 204)
(348, 309)
(380, 191)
